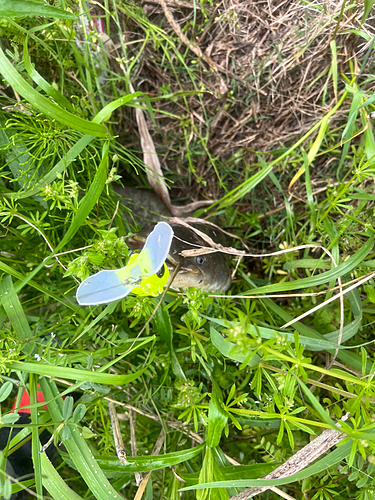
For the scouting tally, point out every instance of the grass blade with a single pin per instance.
(18, 8)
(241, 190)
(43, 84)
(14, 310)
(53, 482)
(77, 447)
(339, 271)
(44, 105)
(16, 274)
(89, 200)
(217, 418)
(112, 466)
(35, 443)
(74, 373)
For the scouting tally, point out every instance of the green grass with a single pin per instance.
(220, 374)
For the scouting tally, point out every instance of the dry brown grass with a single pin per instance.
(265, 66)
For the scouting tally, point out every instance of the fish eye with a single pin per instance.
(201, 259)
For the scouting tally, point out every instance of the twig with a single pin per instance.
(133, 445)
(155, 451)
(119, 444)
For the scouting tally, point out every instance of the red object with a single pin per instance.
(25, 401)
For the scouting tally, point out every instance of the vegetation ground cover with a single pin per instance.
(264, 107)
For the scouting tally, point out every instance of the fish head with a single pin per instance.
(209, 272)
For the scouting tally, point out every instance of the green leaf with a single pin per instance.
(368, 6)
(13, 272)
(20, 8)
(334, 66)
(225, 347)
(67, 407)
(53, 482)
(242, 190)
(42, 83)
(318, 407)
(206, 474)
(113, 468)
(5, 390)
(348, 131)
(35, 443)
(217, 417)
(45, 105)
(15, 155)
(319, 139)
(112, 106)
(360, 33)
(10, 418)
(307, 264)
(79, 413)
(7, 489)
(235, 472)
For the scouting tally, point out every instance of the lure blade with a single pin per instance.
(109, 285)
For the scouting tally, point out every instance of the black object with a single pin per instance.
(20, 464)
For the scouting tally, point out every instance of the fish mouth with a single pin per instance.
(186, 277)
(191, 276)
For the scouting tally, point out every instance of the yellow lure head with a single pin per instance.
(152, 285)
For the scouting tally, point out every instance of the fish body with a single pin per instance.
(208, 272)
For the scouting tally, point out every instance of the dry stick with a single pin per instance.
(134, 448)
(119, 444)
(216, 247)
(114, 215)
(174, 3)
(154, 171)
(69, 251)
(155, 451)
(186, 220)
(298, 461)
(282, 493)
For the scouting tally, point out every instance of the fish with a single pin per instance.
(209, 272)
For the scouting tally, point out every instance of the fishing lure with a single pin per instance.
(109, 285)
